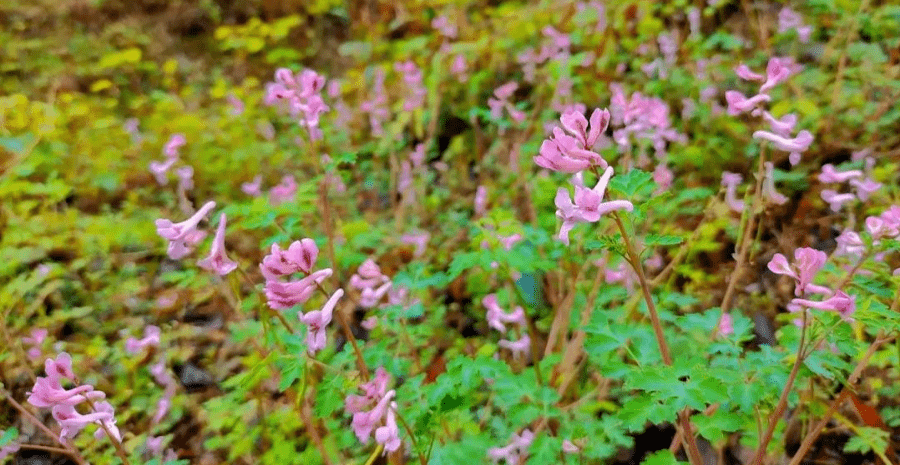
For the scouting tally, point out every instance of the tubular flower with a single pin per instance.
(738, 103)
(571, 153)
(300, 256)
(835, 199)
(840, 302)
(217, 261)
(317, 321)
(177, 231)
(730, 181)
(588, 206)
(497, 318)
(768, 187)
(831, 174)
(285, 295)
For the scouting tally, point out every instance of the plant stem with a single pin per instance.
(836, 403)
(41, 426)
(412, 438)
(782, 401)
(690, 444)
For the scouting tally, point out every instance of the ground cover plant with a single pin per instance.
(277, 232)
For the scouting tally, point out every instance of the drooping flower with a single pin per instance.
(768, 186)
(738, 103)
(784, 126)
(572, 152)
(831, 174)
(797, 144)
(217, 261)
(836, 200)
(317, 321)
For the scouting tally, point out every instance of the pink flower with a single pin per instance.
(516, 451)
(836, 200)
(185, 178)
(217, 261)
(575, 124)
(878, 228)
(35, 340)
(849, 243)
(375, 389)
(365, 421)
(797, 144)
(284, 191)
(830, 174)
(744, 72)
(768, 187)
(60, 367)
(174, 145)
(420, 241)
(237, 106)
(663, 177)
(253, 187)
(498, 319)
(151, 338)
(285, 295)
(183, 247)
(459, 67)
(442, 24)
(48, 391)
(784, 126)
(480, 202)
(569, 447)
(9, 449)
(389, 434)
(415, 91)
(300, 256)
(177, 231)
(509, 241)
(519, 348)
(789, 19)
(161, 169)
(588, 206)
(317, 321)
(369, 297)
(840, 302)
(501, 102)
(807, 262)
(731, 181)
(738, 103)
(368, 275)
(726, 325)
(865, 188)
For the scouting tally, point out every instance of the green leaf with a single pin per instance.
(868, 439)
(632, 183)
(662, 457)
(653, 240)
(8, 436)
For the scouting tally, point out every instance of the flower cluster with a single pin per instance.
(863, 184)
(184, 236)
(412, 78)
(808, 262)
(371, 283)
(299, 257)
(777, 71)
(375, 410)
(49, 393)
(160, 169)
(500, 101)
(300, 93)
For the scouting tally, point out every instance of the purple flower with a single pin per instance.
(849, 243)
(253, 187)
(389, 434)
(161, 169)
(217, 261)
(174, 145)
(865, 188)
(782, 127)
(577, 125)
(185, 178)
(768, 187)
(48, 391)
(369, 297)
(368, 275)
(744, 72)
(798, 144)
(35, 340)
(519, 348)
(284, 191)
(317, 321)
(181, 248)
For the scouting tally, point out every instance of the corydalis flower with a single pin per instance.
(285, 295)
(840, 302)
(173, 146)
(835, 199)
(738, 103)
(571, 153)
(730, 181)
(588, 206)
(497, 318)
(368, 275)
(768, 187)
(176, 231)
(501, 102)
(807, 262)
(150, 339)
(515, 451)
(300, 256)
(217, 261)
(300, 93)
(317, 321)
(284, 191)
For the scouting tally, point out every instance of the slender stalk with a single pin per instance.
(41, 426)
(782, 401)
(745, 239)
(836, 403)
(57, 450)
(412, 437)
(690, 444)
